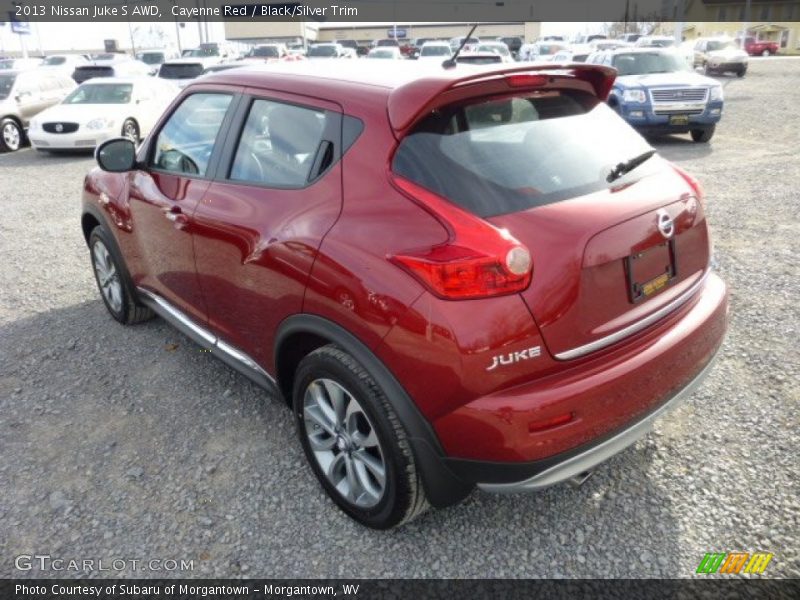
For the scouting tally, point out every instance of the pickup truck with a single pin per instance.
(756, 47)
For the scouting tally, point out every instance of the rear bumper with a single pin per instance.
(591, 457)
(644, 117)
(613, 399)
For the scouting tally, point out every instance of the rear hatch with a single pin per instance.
(538, 164)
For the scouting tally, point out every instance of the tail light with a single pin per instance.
(697, 188)
(479, 260)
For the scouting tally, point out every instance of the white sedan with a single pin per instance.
(100, 109)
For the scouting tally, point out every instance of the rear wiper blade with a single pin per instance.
(629, 165)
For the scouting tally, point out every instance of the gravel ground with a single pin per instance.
(131, 443)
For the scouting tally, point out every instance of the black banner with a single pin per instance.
(408, 11)
(403, 589)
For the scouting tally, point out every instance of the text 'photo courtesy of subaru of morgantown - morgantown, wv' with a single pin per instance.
(531, 250)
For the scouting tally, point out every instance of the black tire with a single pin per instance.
(12, 137)
(130, 130)
(741, 72)
(703, 135)
(403, 497)
(130, 310)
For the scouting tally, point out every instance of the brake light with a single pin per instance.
(696, 186)
(479, 260)
(526, 80)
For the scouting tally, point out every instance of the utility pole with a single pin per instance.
(746, 23)
(679, 23)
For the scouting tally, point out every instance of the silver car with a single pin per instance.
(23, 95)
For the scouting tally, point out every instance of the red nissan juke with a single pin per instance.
(475, 276)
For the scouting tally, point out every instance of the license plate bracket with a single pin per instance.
(679, 119)
(649, 271)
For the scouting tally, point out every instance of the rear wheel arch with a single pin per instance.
(299, 335)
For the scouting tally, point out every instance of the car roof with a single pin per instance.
(407, 87)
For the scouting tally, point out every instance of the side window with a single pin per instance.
(279, 145)
(185, 143)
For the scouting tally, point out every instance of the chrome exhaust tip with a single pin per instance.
(579, 479)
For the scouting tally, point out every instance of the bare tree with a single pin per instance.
(617, 28)
(150, 35)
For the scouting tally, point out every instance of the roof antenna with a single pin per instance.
(451, 62)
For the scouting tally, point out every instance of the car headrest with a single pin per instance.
(294, 130)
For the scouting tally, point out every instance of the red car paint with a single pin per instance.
(242, 259)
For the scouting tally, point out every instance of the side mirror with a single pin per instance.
(116, 155)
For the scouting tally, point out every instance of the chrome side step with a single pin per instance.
(234, 358)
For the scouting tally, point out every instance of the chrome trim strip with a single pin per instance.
(597, 454)
(634, 327)
(243, 359)
(178, 316)
(228, 354)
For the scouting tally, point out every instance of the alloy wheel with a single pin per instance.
(107, 276)
(130, 131)
(344, 443)
(11, 136)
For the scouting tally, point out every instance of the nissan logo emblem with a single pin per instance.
(665, 223)
(59, 127)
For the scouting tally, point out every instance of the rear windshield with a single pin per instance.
(503, 155)
(6, 83)
(83, 73)
(266, 51)
(435, 51)
(151, 58)
(187, 71)
(322, 51)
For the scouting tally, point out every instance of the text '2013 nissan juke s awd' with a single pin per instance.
(474, 276)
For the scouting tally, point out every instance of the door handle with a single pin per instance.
(175, 214)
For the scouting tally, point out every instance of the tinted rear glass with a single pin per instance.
(503, 155)
(6, 83)
(151, 58)
(266, 51)
(188, 71)
(83, 73)
(322, 51)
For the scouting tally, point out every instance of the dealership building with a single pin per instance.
(255, 32)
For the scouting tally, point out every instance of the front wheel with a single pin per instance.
(703, 135)
(765, 53)
(741, 72)
(354, 441)
(113, 280)
(10, 135)
(130, 130)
